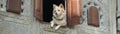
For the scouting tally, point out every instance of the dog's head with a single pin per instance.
(58, 10)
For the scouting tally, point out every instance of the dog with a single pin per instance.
(59, 16)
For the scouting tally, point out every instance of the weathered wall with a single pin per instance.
(118, 14)
(3, 3)
(25, 23)
(106, 11)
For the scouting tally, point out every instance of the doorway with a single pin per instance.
(48, 8)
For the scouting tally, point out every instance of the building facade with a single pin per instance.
(90, 16)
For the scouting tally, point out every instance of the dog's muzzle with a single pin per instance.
(56, 14)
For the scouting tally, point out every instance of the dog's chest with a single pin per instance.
(58, 18)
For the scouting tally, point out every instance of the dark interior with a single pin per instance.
(48, 8)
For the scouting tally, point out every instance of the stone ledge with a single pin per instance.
(13, 15)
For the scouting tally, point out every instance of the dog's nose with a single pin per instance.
(56, 13)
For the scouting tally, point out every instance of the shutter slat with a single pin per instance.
(14, 6)
(93, 16)
(73, 11)
(38, 9)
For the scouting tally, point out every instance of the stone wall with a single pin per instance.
(118, 14)
(104, 7)
(107, 16)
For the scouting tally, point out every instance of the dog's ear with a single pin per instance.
(61, 5)
(54, 5)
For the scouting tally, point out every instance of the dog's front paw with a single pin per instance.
(57, 27)
(52, 24)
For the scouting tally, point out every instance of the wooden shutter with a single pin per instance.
(93, 16)
(74, 8)
(38, 9)
(14, 6)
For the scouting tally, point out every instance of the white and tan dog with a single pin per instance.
(59, 16)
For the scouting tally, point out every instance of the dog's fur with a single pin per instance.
(59, 16)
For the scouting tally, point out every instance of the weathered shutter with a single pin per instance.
(73, 11)
(93, 16)
(38, 9)
(14, 6)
